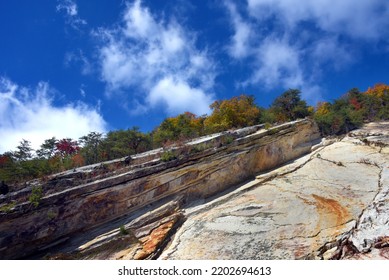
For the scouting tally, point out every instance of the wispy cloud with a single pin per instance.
(367, 19)
(70, 10)
(80, 59)
(30, 114)
(240, 41)
(159, 60)
(279, 61)
(290, 44)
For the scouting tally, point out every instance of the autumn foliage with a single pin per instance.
(182, 127)
(352, 109)
(67, 147)
(336, 117)
(232, 113)
(379, 91)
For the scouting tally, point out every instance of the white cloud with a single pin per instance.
(330, 50)
(359, 19)
(30, 114)
(139, 22)
(153, 57)
(290, 44)
(68, 6)
(70, 9)
(278, 65)
(179, 97)
(240, 42)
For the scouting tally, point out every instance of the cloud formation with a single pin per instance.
(79, 58)
(240, 41)
(280, 62)
(290, 44)
(70, 10)
(30, 114)
(159, 60)
(365, 19)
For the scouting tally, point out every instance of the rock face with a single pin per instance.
(329, 204)
(226, 196)
(83, 205)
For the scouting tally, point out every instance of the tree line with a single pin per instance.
(348, 112)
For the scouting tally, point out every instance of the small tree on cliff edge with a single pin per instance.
(289, 106)
(24, 151)
(238, 111)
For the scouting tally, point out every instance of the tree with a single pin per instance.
(289, 106)
(5, 159)
(48, 148)
(67, 147)
(343, 115)
(182, 127)
(379, 90)
(232, 113)
(90, 147)
(7, 167)
(24, 151)
(376, 102)
(78, 160)
(122, 143)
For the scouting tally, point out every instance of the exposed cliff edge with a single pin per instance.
(203, 201)
(329, 204)
(92, 197)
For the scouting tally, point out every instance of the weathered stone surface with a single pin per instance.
(139, 236)
(157, 235)
(101, 193)
(311, 208)
(331, 203)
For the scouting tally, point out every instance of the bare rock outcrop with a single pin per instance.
(253, 193)
(330, 204)
(81, 205)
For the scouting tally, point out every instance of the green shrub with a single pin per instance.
(168, 156)
(228, 139)
(36, 196)
(51, 215)
(7, 207)
(274, 131)
(199, 148)
(123, 230)
(267, 126)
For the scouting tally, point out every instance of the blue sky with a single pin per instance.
(69, 67)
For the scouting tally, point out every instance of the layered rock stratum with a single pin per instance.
(254, 193)
(330, 204)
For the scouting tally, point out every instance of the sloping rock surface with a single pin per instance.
(332, 203)
(83, 206)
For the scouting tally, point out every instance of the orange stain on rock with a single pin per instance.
(331, 211)
(156, 237)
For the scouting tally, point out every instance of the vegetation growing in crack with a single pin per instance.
(368, 162)
(123, 230)
(200, 148)
(36, 196)
(51, 215)
(168, 156)
(7, 207)
(338, 163)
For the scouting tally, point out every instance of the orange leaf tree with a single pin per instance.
(236, 112)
